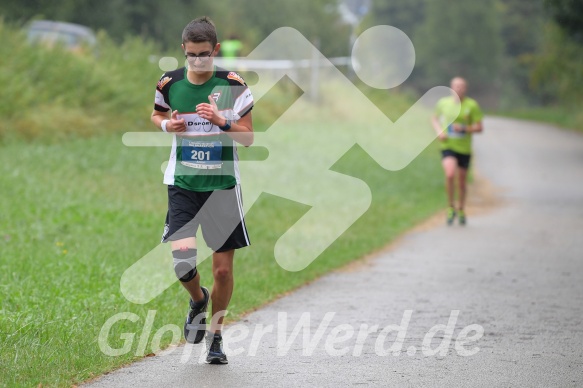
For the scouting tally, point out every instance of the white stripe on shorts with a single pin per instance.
(240, 206)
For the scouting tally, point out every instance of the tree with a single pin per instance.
(558, 70)
(460, 38)
(406, 15)
(557, 67)
(163, 21)
(522, 23)
(569, 16)
(315, 19)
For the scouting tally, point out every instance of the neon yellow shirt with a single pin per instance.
(470, 113)
(230, 48)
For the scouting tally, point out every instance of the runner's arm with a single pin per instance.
(439, 130)
(475, 127)
(241, 130)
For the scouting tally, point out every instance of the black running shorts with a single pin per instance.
(219, 214)
(463, 161)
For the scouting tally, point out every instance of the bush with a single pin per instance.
(51, 93)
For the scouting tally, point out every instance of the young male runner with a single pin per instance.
(209, 111)
(456, 142)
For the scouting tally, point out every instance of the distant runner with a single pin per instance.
(456, 142)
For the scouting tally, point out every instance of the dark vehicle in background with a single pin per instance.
(74, 37)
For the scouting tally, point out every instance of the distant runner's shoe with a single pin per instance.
(215, 354)
(195, 325)
(450, 215)
(461, 217)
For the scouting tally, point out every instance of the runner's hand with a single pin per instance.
(176, 124)
(459, 127)
(210, 112)
(442, 136)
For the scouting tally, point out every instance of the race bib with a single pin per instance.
(205, 155)
(453, 134)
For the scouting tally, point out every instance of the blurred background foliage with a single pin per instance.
(515, 53)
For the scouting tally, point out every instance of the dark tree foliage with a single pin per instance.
(163, 21)
(569, 15)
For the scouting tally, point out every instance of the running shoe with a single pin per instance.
(461, 217)
(450, 215)
(215, 354)
(195, 325)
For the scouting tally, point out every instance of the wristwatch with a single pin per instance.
(227, 125)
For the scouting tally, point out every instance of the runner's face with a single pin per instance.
(199, 56)
(459, 87)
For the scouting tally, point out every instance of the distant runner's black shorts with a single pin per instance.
(463, 160)
(219, 214)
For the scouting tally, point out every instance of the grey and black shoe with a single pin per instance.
(450, 215)
(216, 355)
(461, 217)
(195, 325)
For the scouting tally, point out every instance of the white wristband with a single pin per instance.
(163, 125)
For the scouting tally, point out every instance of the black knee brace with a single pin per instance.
(185, 264)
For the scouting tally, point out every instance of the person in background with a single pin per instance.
(230, 50)
(456, 142)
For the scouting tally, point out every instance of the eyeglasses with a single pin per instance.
(203, 57)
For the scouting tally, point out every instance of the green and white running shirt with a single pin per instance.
(203, 158)
(470, 113)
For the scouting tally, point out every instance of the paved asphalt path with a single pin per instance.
(510, 283)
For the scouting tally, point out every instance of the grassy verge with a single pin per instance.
(560, 116)
(53, 95)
